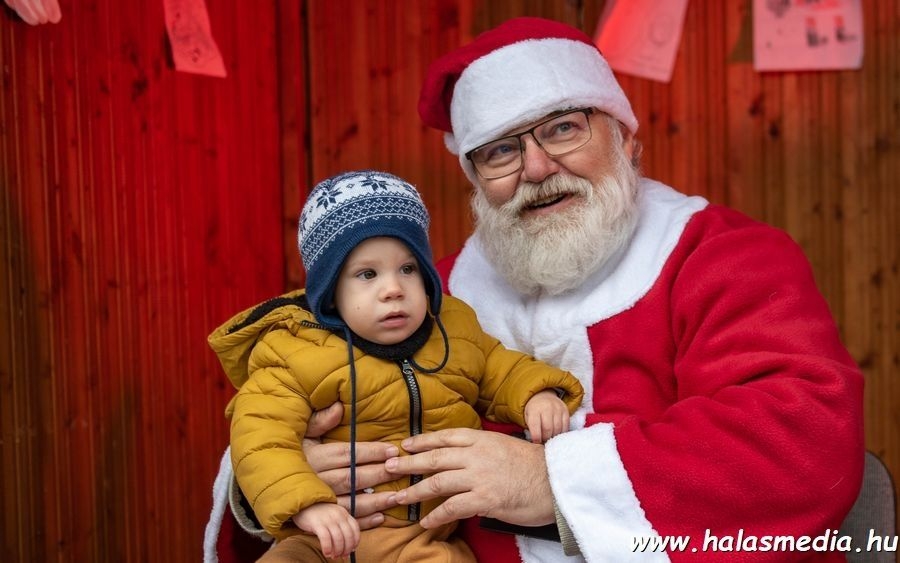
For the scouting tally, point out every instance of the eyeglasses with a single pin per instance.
(557, 136)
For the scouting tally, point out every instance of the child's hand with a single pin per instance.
(546, 416)
(337, 531)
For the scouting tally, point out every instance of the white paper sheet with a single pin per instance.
(193, 47)
(641, 37)
(807, 34)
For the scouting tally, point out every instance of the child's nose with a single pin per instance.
(392, 288)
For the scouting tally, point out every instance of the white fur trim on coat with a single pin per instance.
(226, 497)
(220, 502)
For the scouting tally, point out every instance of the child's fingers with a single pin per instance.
(549, 427)
(558, 423)
(564, 427)
(337, 539)
(535, 429)
(326, 543)
(350, 530)
(345, 538)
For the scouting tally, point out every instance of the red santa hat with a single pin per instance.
(516, 73)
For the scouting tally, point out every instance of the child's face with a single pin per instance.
(380, 293)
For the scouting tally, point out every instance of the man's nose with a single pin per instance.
(537, 165)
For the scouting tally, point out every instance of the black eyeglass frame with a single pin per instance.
(518, 137)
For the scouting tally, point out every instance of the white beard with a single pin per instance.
(557, 252)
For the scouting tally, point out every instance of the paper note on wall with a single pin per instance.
(34, 12)
(641, 37)
(193, 47)
(807, 34)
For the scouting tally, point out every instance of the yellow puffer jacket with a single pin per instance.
(286, 366)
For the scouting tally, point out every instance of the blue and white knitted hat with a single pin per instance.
(347, 209)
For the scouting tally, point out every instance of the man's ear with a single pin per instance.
(628, 142)
(632, 147)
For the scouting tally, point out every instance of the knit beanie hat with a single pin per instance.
(516, 73)
(347, 209)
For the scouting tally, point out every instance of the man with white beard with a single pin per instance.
(719, 399)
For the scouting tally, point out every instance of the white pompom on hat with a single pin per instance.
(514, 74)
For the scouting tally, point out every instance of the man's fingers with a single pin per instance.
(452, 509)
(366, 476)
(447, 484)
(370, 521)
(368, 504)
(324, 420)
(427, 462)
(336, 455)
(452, 437)
(442, 484)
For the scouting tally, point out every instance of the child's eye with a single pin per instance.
(366, 274)
(408, 268)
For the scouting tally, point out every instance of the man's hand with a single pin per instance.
(331, 463)
(482, 473)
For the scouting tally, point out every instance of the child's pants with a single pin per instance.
(396, 540)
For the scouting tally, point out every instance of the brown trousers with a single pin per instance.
(395, 541)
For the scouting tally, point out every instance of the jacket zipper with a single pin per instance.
(415, 424)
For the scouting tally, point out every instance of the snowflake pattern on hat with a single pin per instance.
(346, 201)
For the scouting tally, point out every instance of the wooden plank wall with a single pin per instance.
(140, 207)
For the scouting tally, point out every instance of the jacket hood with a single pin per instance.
(234, 340)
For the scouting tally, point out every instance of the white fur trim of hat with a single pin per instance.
(515, 74)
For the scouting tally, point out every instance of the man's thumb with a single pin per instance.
(324, 420)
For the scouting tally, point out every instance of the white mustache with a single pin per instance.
(530, 193)
(557, 252)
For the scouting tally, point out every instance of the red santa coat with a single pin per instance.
(719, 399)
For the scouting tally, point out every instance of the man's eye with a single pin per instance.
(561, 129)
(501, 151)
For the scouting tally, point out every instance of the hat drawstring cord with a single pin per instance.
(348, 337)
(437, 319)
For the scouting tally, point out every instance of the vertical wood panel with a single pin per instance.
(295, 147)
(140, 208)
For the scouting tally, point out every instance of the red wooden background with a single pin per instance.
(140, 207)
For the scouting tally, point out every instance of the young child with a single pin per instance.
(373, 330)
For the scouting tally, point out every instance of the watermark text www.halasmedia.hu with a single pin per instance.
(831, 540)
